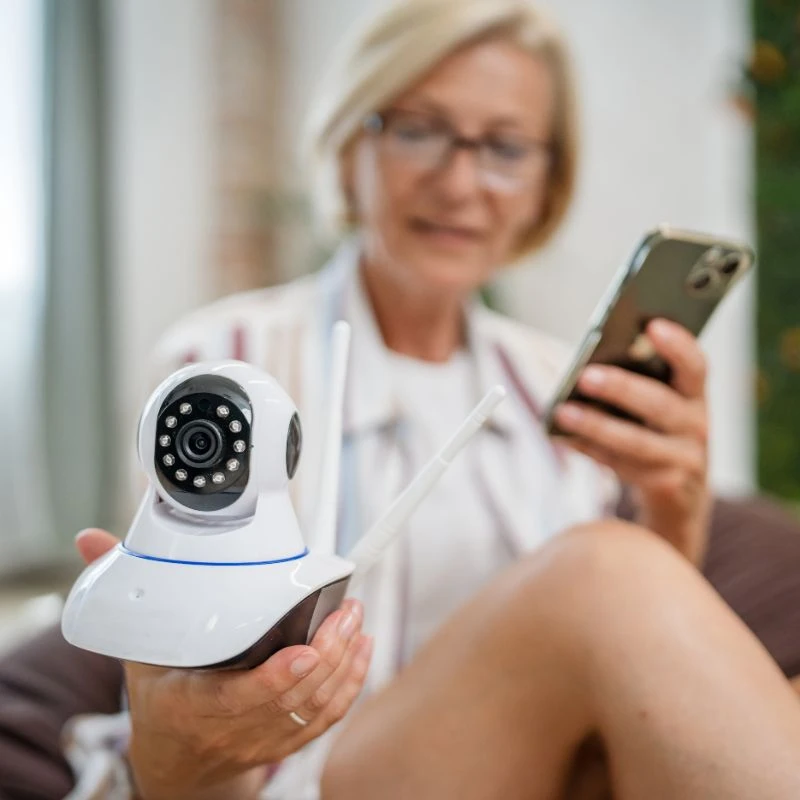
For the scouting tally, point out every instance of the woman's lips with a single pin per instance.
(451, 235)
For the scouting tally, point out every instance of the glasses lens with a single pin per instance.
(507, 165)
(416, 138)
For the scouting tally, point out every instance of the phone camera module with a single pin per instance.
(702, 281)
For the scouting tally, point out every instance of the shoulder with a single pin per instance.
(224, 328)
(275, 305)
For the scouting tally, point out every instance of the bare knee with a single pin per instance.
(549, 617)
(593, 554)
(599, 573)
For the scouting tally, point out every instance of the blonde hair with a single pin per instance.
(396, 49)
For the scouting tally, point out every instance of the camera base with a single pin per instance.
(190, 615)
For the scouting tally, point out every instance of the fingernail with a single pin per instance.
(661, 329)
(304, 664)
(594, 376)
(81, 534)
(347, 625)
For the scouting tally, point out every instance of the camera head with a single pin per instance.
(214, 436)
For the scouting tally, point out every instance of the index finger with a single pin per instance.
(681, 350)
(239, 691)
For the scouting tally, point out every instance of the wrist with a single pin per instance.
(247, 786)
(149, 781)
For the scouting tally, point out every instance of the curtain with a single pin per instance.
(24, 526)
(76, 370)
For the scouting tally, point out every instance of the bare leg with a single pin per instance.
(605, 633)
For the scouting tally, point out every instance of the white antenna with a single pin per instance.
(373, 544)
(323, 535)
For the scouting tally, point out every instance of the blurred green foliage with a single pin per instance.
(771, 87)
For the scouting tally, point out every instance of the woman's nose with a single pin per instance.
(459, 175)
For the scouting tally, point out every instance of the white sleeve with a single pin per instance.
(94, 746)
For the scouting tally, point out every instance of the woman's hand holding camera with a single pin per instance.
(212, 734)
(666, 458)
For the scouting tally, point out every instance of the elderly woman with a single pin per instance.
(444, 145)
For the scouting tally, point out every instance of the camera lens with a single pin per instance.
(200, 443)
(730, 264)
(701, 282)
(204, 423)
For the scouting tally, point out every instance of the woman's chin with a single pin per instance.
(449, 274)
(451, 278)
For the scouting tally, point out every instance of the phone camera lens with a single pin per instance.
(701, 282)
(730, 264)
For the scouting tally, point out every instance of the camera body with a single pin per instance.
(214, 571)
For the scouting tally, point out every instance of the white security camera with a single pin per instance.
(219, 442)
(214, 571)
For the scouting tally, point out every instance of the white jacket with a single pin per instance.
(529, 488)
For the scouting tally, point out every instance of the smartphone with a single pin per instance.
(677, 275)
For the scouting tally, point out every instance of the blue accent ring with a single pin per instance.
(214, 563)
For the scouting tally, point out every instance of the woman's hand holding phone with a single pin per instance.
(665, 459)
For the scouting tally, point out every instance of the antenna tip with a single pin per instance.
(340, 327)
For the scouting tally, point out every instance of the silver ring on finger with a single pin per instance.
(298, 719)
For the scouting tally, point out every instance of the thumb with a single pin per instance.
(93, 543)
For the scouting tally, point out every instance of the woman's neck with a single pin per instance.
(416, 323)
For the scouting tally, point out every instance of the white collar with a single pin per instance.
(370, 400)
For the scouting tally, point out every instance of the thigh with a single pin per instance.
(607, 630)
(479, 714)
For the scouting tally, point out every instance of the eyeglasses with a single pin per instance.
(507, 162)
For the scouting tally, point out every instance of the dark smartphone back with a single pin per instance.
(675, 275)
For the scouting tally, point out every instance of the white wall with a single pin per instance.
(162, 173)
(661, 143)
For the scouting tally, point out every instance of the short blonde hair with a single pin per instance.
(396, 49)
